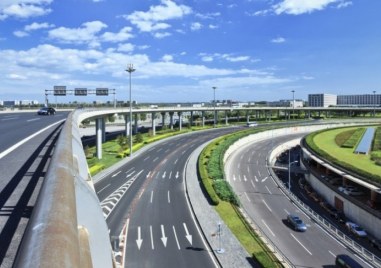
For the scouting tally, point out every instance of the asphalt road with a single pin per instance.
(161, 231)
(268, 207)
(27, 143)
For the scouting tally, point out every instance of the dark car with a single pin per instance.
(346, 261)
(46, 111)
(296, 223)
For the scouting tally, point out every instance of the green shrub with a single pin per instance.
(354, 139)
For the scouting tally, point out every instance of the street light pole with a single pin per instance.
(293, 103)
(374, 103)
(130, 69)
(214, 106)
(289, 169)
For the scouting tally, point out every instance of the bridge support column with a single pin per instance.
(171, 120)
(226, 118)
(126, 125)
(203, 119)
(247, 117)
(103, 130)
(98, 130)
(191, 119)
(163, 119)
(180, 114)
(153, 124)
(136, 124)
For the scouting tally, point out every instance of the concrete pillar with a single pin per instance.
(103, 130)
(226, 118)
(191, 119)
(163, 119)
(171, 119)
(180, 114)
(278, 114)
(136, 124)
(256, 115)
(98, 131)
(203, 119)
(153, 115)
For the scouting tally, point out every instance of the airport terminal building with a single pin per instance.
(326, 100)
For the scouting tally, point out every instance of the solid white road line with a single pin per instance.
(151, 196)
(330, 252)
(268, 189)
(103, 188)
(309, 252)
(116, 174)
(177, 241)
(268, 227)
(169, 199)
(14, 147)
(150, 230)
(264, 202)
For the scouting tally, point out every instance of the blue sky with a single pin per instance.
(251, 50)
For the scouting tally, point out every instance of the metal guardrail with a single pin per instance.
(67, 227)
(348, 241)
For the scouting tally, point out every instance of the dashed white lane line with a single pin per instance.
(247, 197)
(268, 228)
(309, 252)
(264, 202)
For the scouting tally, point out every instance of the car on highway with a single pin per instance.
(355, 229)
(252, 124)
(46, 111)
(350, 190)
(345, 261)
(296, 223)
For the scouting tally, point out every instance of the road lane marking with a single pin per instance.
(330, 252)
(128, 175)
(301, 244)
(131, 169)
(165, 172)
(177, 175)
(156, 158)
(268, 227)
(103, 188)
(264, 202)
(163, 237)
(159, 149)
(248, 170)
(12, 148)
(247, 196)
(256, 179)
(244, 178)
(259, 173)
(116, 174)
(31, 120)
(169, 199)
(150, 230)
(263, 180)
(268, 189)
(151, 196)
(288, 213)
(252, 183)
(187, 235)
(239, 165)
(170, 175)
(176, 161)
(139, 241)
(145, 159)
(177, 241)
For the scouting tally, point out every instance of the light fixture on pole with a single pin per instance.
(289, 169)
(214, 106)
(130, 69)
(374, 103)
(293, 103)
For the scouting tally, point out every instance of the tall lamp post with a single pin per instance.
(130, 69)
(293, 103)
(374, 103)
(214, 106)
(289, 169)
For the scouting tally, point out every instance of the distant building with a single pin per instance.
(359, 100)
(322, 100)
(286, 103)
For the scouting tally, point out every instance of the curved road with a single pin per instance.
(27, 143)
(161, 231)
(268, 207)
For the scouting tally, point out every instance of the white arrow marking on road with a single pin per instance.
(264, 179)
(116, 174)
(164, 174)
(188, 236)
(177, 175)
(139, 241)
(163, 238)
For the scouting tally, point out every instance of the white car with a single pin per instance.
(351, 190)
(355, 229)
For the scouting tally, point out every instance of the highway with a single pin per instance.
(268, 207)
(161, 231)
(27, 143)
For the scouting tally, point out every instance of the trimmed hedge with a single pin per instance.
(95, 169)
(354, 138)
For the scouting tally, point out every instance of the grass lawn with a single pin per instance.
(326, 141)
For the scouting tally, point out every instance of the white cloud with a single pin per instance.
(207, 58)
(123, 35)
(152, 20)
(20, 33)
(196, 26)
(167, 58)
(126, 47)
(227, 57)
(211, 26)
(208, 15)
(85, 34)
(278, 40)
(297, 7)
(161, 35)
(36, 26)
(24, 8)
